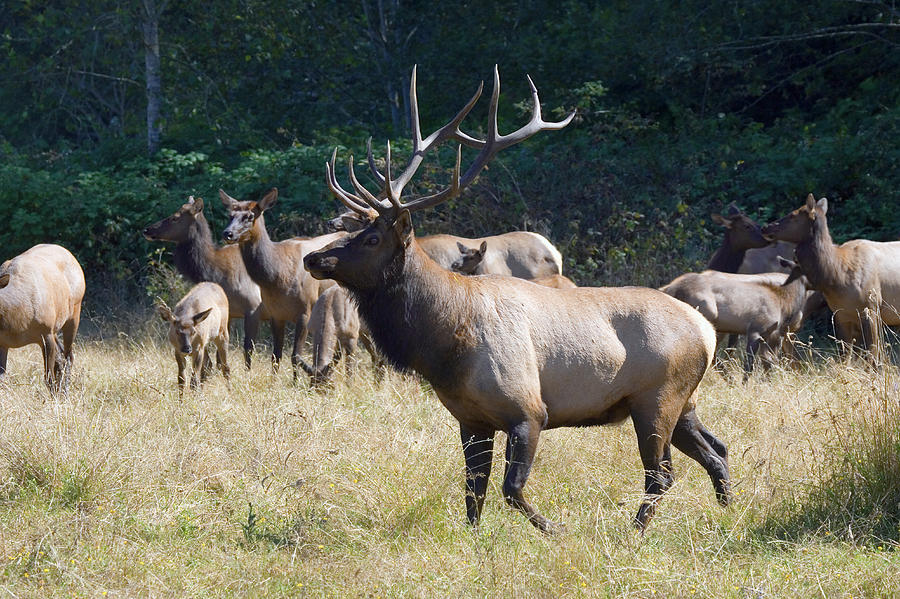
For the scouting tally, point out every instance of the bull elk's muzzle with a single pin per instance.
(319, 264)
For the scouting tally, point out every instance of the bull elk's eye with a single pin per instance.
(372, 240)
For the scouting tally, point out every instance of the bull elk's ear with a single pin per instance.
(268, 200)
(227, 200)
(822, 205)
(165, 313)
(201, 316)
(403, 228)
(483, 248)
(4, 280)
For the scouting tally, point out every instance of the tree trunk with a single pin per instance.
(150, 25)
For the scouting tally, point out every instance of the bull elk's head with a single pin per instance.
(361, 259)
(797, 226)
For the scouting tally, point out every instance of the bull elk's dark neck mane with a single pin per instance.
(402, 311)
(194, 255)
(258, 253)
(818, 257)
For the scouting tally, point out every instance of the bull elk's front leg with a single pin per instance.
(478, 449)
(521, 445)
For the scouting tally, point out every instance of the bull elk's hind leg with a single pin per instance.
(478, 449)
(694, 440)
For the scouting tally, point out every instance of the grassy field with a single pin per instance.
(264, 488)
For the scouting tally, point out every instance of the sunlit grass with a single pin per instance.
(266, 487)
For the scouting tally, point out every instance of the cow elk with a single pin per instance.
(41, 291)
(198, 321)
(470, 261)
(336, 330)
(860, 279)
(744, 250)
(764, 307)
(504, 354)
(288, 291)
(198, 259)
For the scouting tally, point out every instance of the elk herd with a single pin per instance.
(507, 342)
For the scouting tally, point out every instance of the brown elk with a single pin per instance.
(521, 254)
(470, 261)
(505, 354)
(41, 291)
(199, 319)
(764, 307)
(744, 249)
(288, 291)
(198, 259)
(336, 330)
(860, 279)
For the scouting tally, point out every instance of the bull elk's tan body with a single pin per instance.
(336, 329)
(200, 319)
(764, 307)
(505, 354)
(288, 291)
(199, 259)
(41, 291)
(860, 279)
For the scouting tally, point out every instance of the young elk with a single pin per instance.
(504, 354)
(336, 329)
(200, 318)
(860, 279)
(41, 291)
(198, 259)
(288, 291)
(765, 307)
(470, 262)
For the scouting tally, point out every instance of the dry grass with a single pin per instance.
(121, 489)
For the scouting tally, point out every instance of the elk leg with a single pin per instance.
(179, 359)
(4, 353)
(197, 364)
(478, 450)
(521, 445)
(251, 331)
(657, 460)
(754, 340)
(870, 337)
(301, 329)
(695, 441)
(277, 342)
(377, 361)
(51, 367)
(222, 357)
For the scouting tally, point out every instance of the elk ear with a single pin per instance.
(822, 205)
(721, 220)
(268, 200)
(227, 200)
(4, 280)
(733, 210)
(795, 274)
(810, 202)
(200, 317)
(165, 313)
(462, 249)
(403, 228)
(196, 205)
(483, 248)
(785, 263)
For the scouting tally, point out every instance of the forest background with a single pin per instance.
(113, 112)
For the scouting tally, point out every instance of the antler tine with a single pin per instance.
(350, 200)
(441, 196)
(372, 167)
(370, 199)
(392, 195)
(495, 142)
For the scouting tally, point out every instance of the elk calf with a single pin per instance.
(200, 318)
(336, 329)
(765, 307)
(41, 291)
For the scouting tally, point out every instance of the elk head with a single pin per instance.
(182, 327)
(351, 221)
(363, 260)
(244, 215)
(470, 259)
(798, 225)
(742, 231)
(175, 228)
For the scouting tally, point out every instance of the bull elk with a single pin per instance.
(470, 262)
(288, 291)
(504, 354)
(860, 279)
(521, 254)
(198, 259)
(764, 307)
(199, 319)
(41, 291)
(336, 330)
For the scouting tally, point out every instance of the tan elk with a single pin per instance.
(336, 330)
(41, 291)
(199, 259)
(199, 321)
(764, 307)
(288, 291)
(471, 259)
(860, 279)
(505, 354)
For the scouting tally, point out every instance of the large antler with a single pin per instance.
(392, 188)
